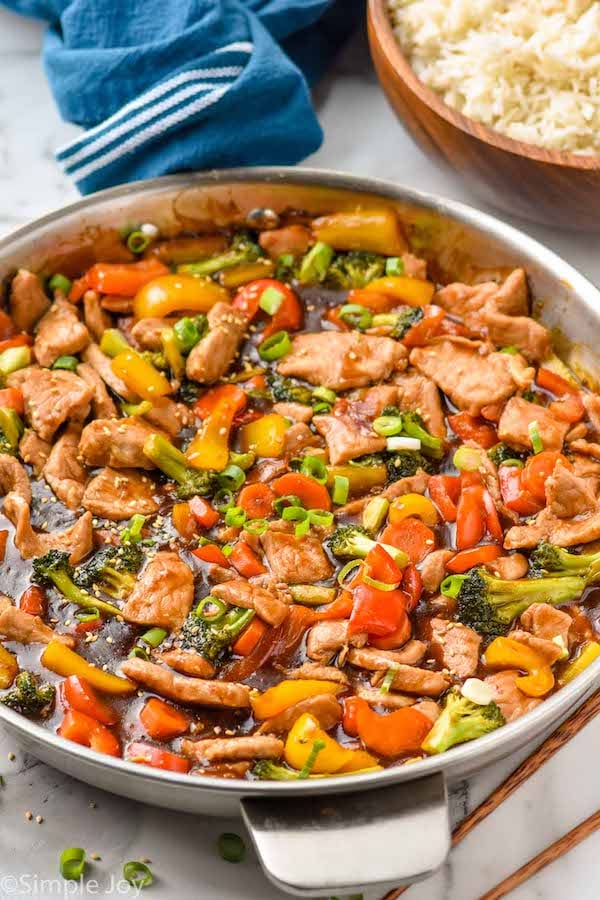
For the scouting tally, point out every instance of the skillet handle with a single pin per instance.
(331, 844)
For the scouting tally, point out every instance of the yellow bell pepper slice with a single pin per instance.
(377, 230)
(218, 407)
(287, 693)
(61, 659)
(361, 479)
(413, 505)
(9, 667)
(589, 652)
(411, 291)
(508, 653)
(331, 759)
(140, 376)
(264, 436)
(171, 293)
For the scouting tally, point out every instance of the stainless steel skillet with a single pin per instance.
(335, 835)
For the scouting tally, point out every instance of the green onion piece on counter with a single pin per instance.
(374, 513)
(341, 489)
(137, 241)
(387, 426)
(139, 653)
(235, 516)
(388, 680)
(231, 847)
(512, 350)
(282, 503)
(346, 569)
(154, 636)
(72, 863)
(326, 394)
(87, 615)
(311, 759)
(275, 346)
(60, 283)
(394, 265)
(210, 609)
(450, 586)
(314, 468)
(227, 549)
(320, 517)
(223, 500)
(256, 526)
(302, 528)
(245, 461)
(356, 316)
(467, 459)
(270, 300)
(536, 439)
(113, 342)
(137, 874)
(380, 585)
(133, 533)
(232, 477)
(69, 363)
(315, 263)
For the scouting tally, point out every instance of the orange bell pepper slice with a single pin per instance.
(210, 447)
(472, 428)
(171, 293)
(411, 291)
(244, 559)
(83, 729)
(123, 279)
(162, 721)
(287, 693)
(249, 637)
(389, 735)
(478, 556)
(210, 553)
(505, 652)
(12, 398)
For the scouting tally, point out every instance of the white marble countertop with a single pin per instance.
(361, 136)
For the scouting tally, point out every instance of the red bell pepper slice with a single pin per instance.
(78, 694)
(478, 556)
(149, 755)
(515, 495)
(380, 566)
(444, 490)
(123, 279)
(427, 328)
(376, 612)
(83, 729)
(244, 559)
(472, 428)
(538, 469)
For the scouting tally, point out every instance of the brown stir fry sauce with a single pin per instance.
(276, 505)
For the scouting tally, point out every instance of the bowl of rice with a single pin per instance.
(505, 91)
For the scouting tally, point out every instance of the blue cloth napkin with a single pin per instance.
(173, 85)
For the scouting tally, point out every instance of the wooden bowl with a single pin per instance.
(547, 186)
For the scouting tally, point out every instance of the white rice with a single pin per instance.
(527, 68)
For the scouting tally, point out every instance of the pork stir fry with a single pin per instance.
(275, 505)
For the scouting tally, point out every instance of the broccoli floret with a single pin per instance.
(242, 250)
(267, 770)
(406, 463)
(112, 569)
(191, 482)
(354, 269)
(29, 697)
(11, 430)
(461, 720)
(413, 426)
(401, 322)
(54, 569)
(156, 358)
(355, 541)
(490, 604)
(549, 559)
(502, 453)
(286, 390)
(189, 391)
(212, 640)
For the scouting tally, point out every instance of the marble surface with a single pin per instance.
(361, 136)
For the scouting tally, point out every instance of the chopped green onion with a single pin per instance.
(211, 609)
(283, 502)
(232, 477)
(285, 261)
(231, 847)
(69, 363)
(136, 409)
(380, 585)
(133, 533)
(326, 394)
(512, 350)
(394, 265)
(113, 342)
(386, 426)
(72, 863)
(189, 331)
(275, 346)
(270, 300)
(137, 241)
(535, 437)
(137, 874)
(91, 614)
(154, 636)
(256, 526)
(341, 489)
(320, 517)
(139, 653)
(223, 500)
(347, 568)
(514, 463)
(294, 514)
(388, 681)
(402, 443)
(314, 468)
(235, 516)
(311, 759)
(374, 513)
(450, 586)
(321, 407)
(315, 263)
(245, 461)
(227, 549)
(467, 459)
(356, 316)
(302, 528)
(60, 283)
